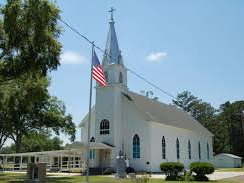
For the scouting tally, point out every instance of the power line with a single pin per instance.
(100, 49)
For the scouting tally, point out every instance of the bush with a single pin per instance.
(108, 171)
(130, 170)
(143, 178)
(202, 169)
(187, 176)
(172, 170)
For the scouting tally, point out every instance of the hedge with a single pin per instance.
(172, 170)
(202, 169)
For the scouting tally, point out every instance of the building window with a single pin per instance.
(163, 149)
(177, 148)
(104, 127)
(120, 77)
(106, 76)
(207, 151)
(92, 139)
(199, 150)
(136, 147)
(92, 154)
(189, 149)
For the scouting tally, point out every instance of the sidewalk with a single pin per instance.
(214, 176)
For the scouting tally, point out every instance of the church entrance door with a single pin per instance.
(104, 158)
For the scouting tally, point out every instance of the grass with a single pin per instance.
(21, 178)
(230, 169)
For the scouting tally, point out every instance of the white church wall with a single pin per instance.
(118, 122)
(108, 106)
(105, 110)
(135, 123)
(84, 127)
(171, 134)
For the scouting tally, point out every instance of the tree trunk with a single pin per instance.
(3, 139)
(18, 143)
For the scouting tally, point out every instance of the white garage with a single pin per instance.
(225, 160)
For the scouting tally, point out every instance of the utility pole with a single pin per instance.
(242, 125)
(228, 121)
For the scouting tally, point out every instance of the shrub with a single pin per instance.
(143, 178)
(187, 176)
(130, 170)
(108, 171)
(202, 169)
(172, 170)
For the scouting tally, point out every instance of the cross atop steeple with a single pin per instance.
(111, 11)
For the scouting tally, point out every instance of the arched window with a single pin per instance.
(104, 127)
(92, 139)
(177, 148)
(106, 75)
(189, 149)
(120, 77)
(163, 149)
(207, 151)
(136, 147)
(199, 150)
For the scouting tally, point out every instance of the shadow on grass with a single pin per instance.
(51, 180)
(59, 179)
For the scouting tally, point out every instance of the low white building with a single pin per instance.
(225, 160)
(147, 131)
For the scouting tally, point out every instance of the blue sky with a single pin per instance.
(178, 45)
(193, 45)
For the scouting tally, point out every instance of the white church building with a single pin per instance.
(146, 131)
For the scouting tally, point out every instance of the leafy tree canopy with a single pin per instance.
(29, 108)
(226, 123)
(28, 38)
(35, 142)
(201, 111)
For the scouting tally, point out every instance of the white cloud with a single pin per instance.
(156, 56)
(70, 57)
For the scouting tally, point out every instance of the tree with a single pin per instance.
(231, 114)
(225, 123)
(5, 124)
(29, 49)
(28, 38)
(30, 109)
(36, 142)
(204, 113)
(201, 111)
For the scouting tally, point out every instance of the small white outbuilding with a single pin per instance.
(225, 160)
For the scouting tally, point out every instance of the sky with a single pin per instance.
(178, 45)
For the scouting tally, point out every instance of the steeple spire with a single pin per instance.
(112, 51)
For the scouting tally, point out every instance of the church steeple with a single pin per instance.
(112, 51)
(114, 70)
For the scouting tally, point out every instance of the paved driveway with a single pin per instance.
(239, 179)
(224, 175)
(214, 176)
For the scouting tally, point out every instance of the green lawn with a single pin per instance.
(20, 178)
(230, 169)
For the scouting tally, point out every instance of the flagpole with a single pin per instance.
(89, 121)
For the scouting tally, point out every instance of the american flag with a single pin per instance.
(97, 71)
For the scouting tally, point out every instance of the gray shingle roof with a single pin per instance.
(230, 155)
(167, 114)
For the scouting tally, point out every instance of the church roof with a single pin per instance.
(93, 145)
(166, 114)
(230, 155)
